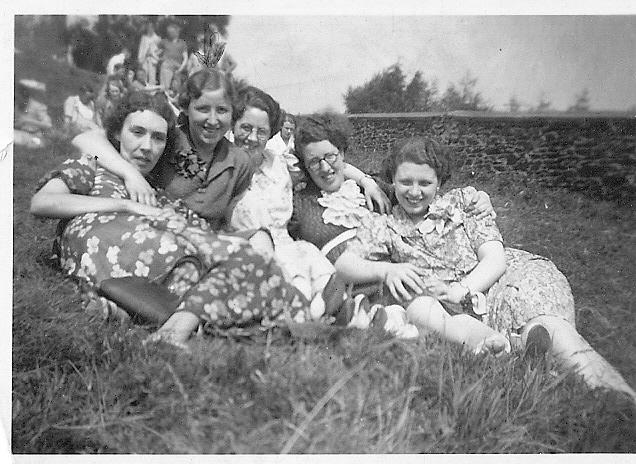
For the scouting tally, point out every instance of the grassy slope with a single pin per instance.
(84, 385)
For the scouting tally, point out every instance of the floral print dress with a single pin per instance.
(443, 245)
(236, 287)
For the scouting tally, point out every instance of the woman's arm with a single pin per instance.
(373, 193)
(398, 277)
(491, 266)
(55, 200)
(96, 143)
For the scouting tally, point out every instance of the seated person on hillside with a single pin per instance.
(31, 119)
(80, 114)
(112, 94)
(440, 262)
(106, 235)
(118, 59)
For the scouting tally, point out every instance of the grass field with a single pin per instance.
(84, 385)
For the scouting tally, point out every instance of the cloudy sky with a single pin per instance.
(307, 62)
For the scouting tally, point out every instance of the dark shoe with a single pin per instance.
(538, 342)
(353, 307)
(334, 294)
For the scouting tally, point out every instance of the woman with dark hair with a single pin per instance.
(328, 211)
(440, 262)
(109, 97)
(105, 234)
(268, 201)
(204, 168)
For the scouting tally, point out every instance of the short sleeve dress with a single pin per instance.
(237, 286)
(443, 245)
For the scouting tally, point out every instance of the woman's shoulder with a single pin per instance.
(239, 157)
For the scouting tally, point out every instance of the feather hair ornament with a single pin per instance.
(213, 50)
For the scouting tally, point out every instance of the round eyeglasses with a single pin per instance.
(330, 158)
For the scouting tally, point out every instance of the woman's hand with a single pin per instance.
(141, 209)
(139, 189)
(374, 194)
(480, 206)
(400, 276)
(452, 293)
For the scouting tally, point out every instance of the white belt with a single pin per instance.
(334, 242)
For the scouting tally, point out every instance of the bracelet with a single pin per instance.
(467, 300)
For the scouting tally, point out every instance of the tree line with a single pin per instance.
(389, 91)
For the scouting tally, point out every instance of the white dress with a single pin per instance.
(268, 203)
(279, 147)
(83, 117)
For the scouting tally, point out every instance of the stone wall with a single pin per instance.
(593, 153)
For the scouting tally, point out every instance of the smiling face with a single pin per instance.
(327, 176)
(251, 132)
(142, 139)
(113, 91)
(210, 117)
(415, 187)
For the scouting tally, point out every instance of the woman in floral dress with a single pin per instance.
(105, 234)
(438, 260)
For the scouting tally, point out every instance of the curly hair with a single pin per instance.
(419, 150)
(141, 101)
(252, 97)
(322, 126)
(205, 79)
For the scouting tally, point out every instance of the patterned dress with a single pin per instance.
(237, 286)
(443, 245)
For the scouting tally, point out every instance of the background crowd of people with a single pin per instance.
(161, 64)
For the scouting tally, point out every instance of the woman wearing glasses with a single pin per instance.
(267, 203)
(328, 211)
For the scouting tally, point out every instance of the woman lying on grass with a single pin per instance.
(438, 261)
(105, 234)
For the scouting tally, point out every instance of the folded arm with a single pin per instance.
(55, 200)
(95, 143)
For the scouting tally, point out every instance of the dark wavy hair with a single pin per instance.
(141, 101)
(205, 79)
(252, 97)
(419, 150)
(318, 127)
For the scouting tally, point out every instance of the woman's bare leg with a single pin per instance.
(428, 313)
(573, 351)
(178, 328)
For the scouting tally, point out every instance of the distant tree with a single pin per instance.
(383, 93)
(543, 104)
(581, 102)
(419, 94)
(463, 96)
(513, 104)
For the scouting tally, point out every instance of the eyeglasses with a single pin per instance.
(330, 158)
(247, 130)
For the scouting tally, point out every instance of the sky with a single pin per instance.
(308, 62)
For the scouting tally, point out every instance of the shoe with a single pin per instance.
(354, 313)
(497, 345)
(392, 319)
(538, 342)
(334, 294)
